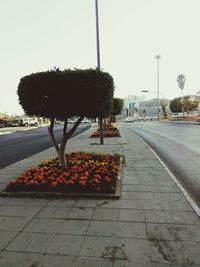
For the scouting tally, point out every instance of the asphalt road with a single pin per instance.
(178, 145)
(20, 145)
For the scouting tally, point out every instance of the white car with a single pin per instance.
(129, 119)
(85, 120)
(28, 121)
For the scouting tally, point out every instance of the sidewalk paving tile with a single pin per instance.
(54, 212)
(65, 244)
(81, 213)
(105, 214)
(102, 228)
(131, 264)
(86, 203)
(18, 211)
(54, 260)
(158, 216)
(131, 230)
(163, 251)
(95, 246)
(31, 242)
(128, 215)
(193, 251)
(166, 232)
(44, 225)
(189, 232)
(136, 250)
(91, 262)
(5, 238)
(13, 223)
(185, 217)
(135, 204)
(110, 204)
(74, 227)
(15, 259)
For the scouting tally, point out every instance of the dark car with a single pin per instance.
(3, 123)
(13, 123)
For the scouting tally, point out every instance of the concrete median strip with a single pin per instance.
(186, 195)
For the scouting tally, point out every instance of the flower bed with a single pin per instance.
(86, 172)
(108, 131)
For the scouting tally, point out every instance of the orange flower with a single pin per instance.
(70, 182)
(82, 183)
(107, 179)
(97, 176)
(95, 181)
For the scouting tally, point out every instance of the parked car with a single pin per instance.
(27, 121)
(177, 115)
(85, 120)
(129, 119)
(13, 123)
(3, 123)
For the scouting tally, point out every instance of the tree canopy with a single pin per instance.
(67, 93)
(117, 106)
(185, 104)
(176, 105)
(59, 94)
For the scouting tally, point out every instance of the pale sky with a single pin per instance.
(37, 35)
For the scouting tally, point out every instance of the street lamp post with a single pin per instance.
(158, 81)
(97, 34)
(98, 65)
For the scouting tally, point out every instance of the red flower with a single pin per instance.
(54, 184)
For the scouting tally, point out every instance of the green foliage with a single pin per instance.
(190, 103)
(185, 104)
(176, 105)
(117, 106)
(63, 94)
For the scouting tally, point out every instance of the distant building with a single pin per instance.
(131, 105)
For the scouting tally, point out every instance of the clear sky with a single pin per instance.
(38, 35)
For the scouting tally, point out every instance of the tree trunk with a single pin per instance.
(50, 129)
(61, 155)
(66, 135)
(101, 130)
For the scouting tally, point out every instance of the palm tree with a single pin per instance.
(181, 84)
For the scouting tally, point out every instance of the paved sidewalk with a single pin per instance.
(151, 225)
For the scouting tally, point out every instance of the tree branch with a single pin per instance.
(50, 129)
(65, 126)
(73, 129)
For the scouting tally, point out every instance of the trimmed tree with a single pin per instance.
(176, 105)
(117, 106)
(60, 95)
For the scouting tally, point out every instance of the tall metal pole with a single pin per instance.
(158, 85)
(97, 34)
(98, 66)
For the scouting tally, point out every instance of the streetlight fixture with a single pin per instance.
(158, 81)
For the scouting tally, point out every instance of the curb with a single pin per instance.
(184, 122)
